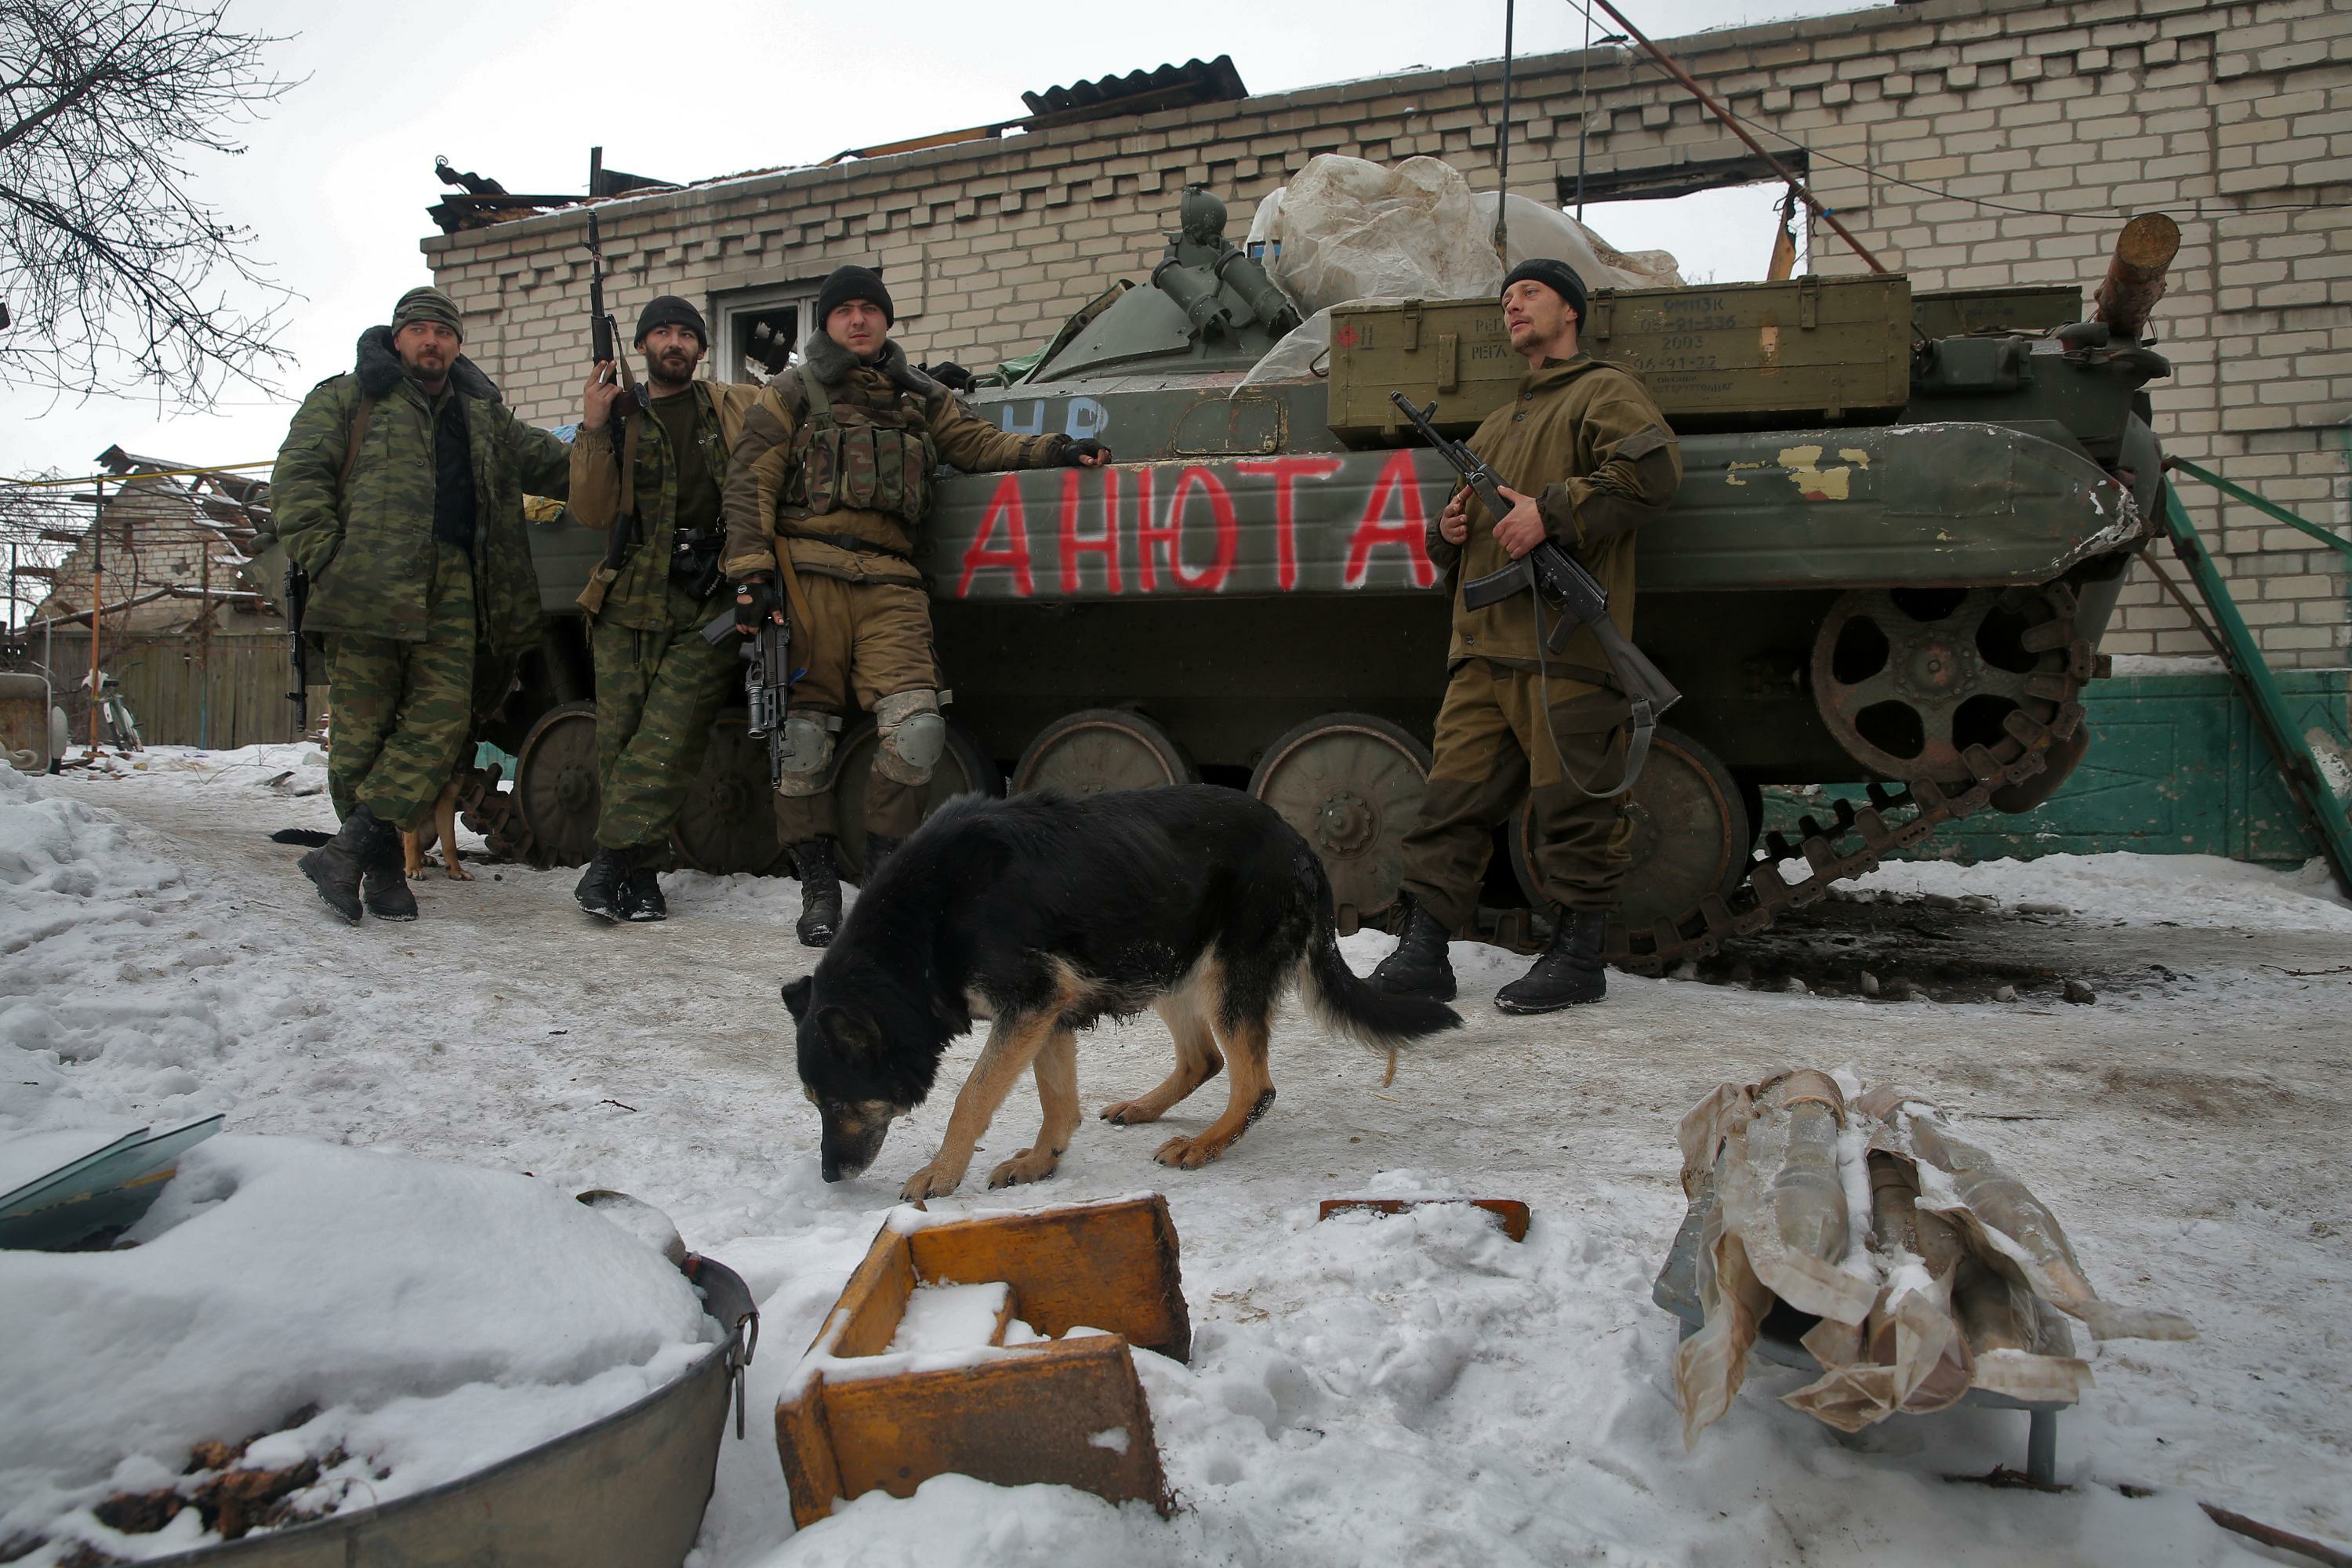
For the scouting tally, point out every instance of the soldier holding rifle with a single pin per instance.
(651, 470)
(1584, 459)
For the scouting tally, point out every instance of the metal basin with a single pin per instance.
(627, 1491)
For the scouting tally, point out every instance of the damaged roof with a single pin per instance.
(1137, 92)
(482, 201)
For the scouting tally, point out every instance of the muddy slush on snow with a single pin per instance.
(1905, 522)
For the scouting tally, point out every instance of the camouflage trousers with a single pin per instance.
(401, 711)
(1494, 744)
(657, 693)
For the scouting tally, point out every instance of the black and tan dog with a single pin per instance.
(414, 841)
(1045, 914)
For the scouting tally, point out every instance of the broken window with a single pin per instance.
(759, 329)
(1720, 223)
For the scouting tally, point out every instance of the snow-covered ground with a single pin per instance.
(1415, 1389)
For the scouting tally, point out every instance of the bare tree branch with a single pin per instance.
(34, 519)
(115, 274)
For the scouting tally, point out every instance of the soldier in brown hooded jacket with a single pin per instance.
(1592, 460)
(825, 488)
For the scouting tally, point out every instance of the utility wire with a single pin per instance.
(2195, 207)
(136, 474)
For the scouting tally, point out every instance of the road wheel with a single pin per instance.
(1351, 784)
(964, 768)
(1099, 749)
(1911, 681)
(729, 821)
(555, 785)
(1690, 836)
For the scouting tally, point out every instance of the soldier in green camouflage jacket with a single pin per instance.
(658, 684)
(399, 491)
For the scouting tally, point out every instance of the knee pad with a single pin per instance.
(911, 735)
(808, 750)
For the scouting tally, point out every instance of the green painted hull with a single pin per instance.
(1941, 504)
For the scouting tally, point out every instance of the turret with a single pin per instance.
(1210, 306)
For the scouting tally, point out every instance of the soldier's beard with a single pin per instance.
(670, 372)
(431, 374)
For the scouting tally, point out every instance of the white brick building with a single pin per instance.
(1969, 142)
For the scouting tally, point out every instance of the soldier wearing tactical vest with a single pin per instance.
(399, 492)
(1592, 460)
(658, 684)
(825, 488)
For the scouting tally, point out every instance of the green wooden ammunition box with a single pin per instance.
(1809, 351)
(1957, 312)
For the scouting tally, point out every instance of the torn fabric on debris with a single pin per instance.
(1924, 1268)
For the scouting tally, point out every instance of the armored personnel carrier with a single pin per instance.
(1904, 523)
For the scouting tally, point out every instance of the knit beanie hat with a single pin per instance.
(428, 304)
(1557, 275)
(849, 283)
(669, 311)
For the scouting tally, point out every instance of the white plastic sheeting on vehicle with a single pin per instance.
(1347, 230)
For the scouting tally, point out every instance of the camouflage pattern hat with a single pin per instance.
(428, 304)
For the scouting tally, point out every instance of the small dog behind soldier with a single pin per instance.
(1585, 457)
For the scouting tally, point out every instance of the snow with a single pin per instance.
(1414, 1388)
(438, 1318)
(948, 1317)
(2136, 889)
(2129, 665)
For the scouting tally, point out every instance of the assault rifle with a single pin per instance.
(1558, 580)
(298, 600)
(767, 655)
(605, 347)
(604, 333)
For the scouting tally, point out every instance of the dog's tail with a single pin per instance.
(1342, 1001)
(310, 836)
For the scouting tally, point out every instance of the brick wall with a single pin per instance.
(2236, 119)
(154, 537)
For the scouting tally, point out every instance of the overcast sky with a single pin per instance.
(340, 172)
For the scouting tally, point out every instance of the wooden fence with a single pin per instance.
(164, 680)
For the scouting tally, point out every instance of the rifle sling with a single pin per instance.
(351, 439)
(1624, 678)
(625, 525)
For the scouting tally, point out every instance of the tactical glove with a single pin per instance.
(1076, 454)
(755, 601)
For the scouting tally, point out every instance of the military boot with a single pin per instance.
(1569, 974)
(820, 892)
(1419, 966)
(603, 885)
(879, 846)
(642, 899)
(336, 866)
(384, 886)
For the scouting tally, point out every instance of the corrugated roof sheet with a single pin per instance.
(1138, 92)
